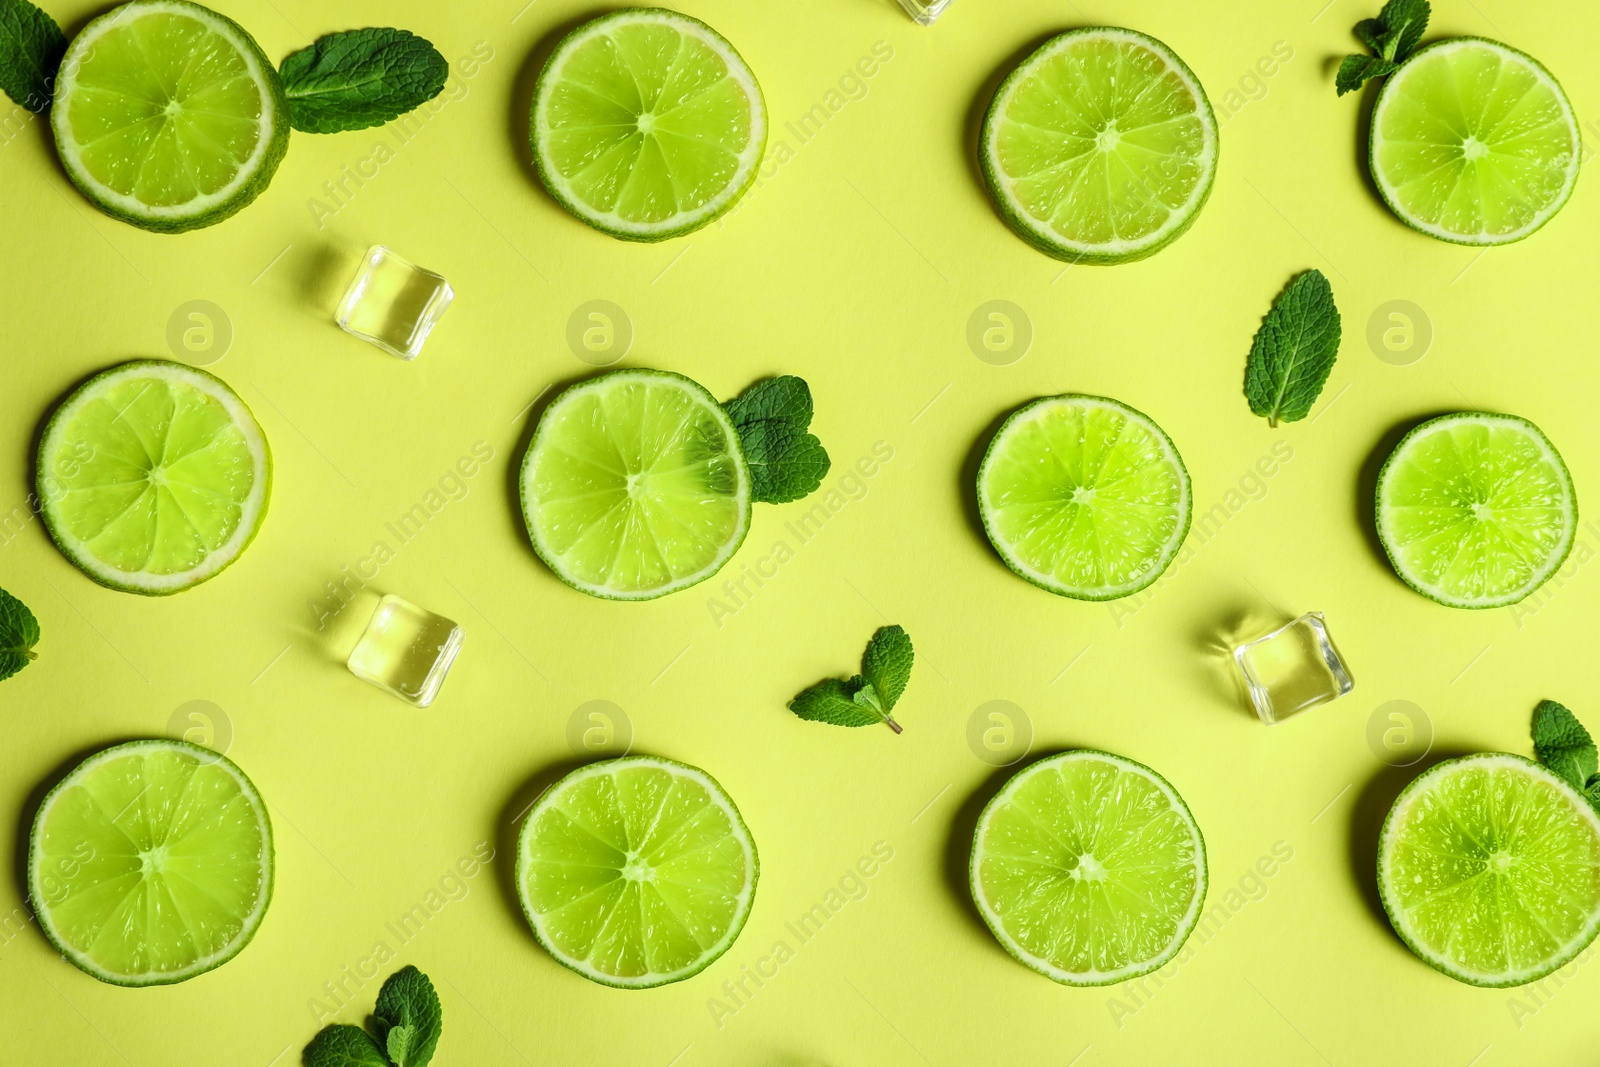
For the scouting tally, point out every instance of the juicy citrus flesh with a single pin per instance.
(1474, 142)
(153, 476)
(1489, 868)
(1089, 868)
(636, 872)
(167, 112)
(635, 485)
(1084, 496)
(151, 863)
(647, 124)
(1476, 509)
(1101, 146)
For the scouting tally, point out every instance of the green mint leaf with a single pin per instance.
(408, 1018)
(886, 665)
(786, 463)
(833, 702)
(1294, 350)
(1371, 31)
(344, 1046)
(1355, 71)
(31, 47)
(360, 78)
(19, 632)
(1563, 745)
(1404, 22)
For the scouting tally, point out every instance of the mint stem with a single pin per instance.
(889, 721)
(30, 653)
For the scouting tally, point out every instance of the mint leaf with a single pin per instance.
(31, 47)
(1294, 350)
(1563, 745)
(344, 1046)
(408, 1019)
(833, 702)
(867, 697)
(786, 463)
(1356, 70)
(1404, 23)
(886, 665)
(360, 78)
(19, 632)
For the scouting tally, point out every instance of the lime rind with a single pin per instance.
(1391, 91)
(1021, 418)
(255, 172)
(740, 833)
(1492, 420)
(1398, 917)
(610, 222)
(252, 511)
(991, 917)
(39, 898)
(541, 438)
(1043, 237)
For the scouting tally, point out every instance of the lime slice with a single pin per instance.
(151, 863)
(647, 124)
(1101, 147)
(1489, 868)
(168, 115)
(1084, 496)
(153, 477)
(1089, 868)
(1474, 142)
(635, 485)
(636, 872)
(1476, 510)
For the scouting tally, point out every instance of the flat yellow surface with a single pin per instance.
(856, 263)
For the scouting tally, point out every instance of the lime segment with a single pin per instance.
(168, 115)
(635, 485)
(636, 872)
(1489, 868)
(1474, 142)
(1101, 147)
(1089, 868)
(151, 863)
(1476, 510)
(647, 124)
(1084, 496)
(153, 477)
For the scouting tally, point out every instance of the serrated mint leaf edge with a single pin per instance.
(339, 107)
(1305, 304)
(773, 419)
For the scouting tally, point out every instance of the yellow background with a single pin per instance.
(856, 263)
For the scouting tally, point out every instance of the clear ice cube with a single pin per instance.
(1292, 669)
(924, 13)
(406, 651)
(393, 304)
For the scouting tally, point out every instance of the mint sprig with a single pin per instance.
(1392, 36)
(1294, 350)
(407, 1023)
(1565, 747)
(360, 78)
(31, 47)
(19, 632)
(868, 697)
(772, 417)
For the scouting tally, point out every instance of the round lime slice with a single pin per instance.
(635, 485)
(1084, 496)
(168, 115)
(1089, 868)
(1489, 868)
(1101, 147)
(153, 477)
(647, 124)
(151, 863)
(636, 872)
(1474, 142)
(1476, 510)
